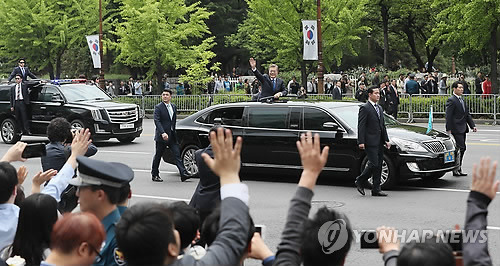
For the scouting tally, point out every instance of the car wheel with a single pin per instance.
(126, 139)
(433, 176)
(189, 161)
(388, 177)
(77, 124)
(10, 131)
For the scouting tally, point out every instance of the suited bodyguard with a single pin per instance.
(22, 70)
(372, 137)
(19, 102)
(458, 121)
(165, 117)
(271, 84)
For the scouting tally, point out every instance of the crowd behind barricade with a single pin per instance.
(107, 232)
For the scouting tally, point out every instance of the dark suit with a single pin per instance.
(164, 124)
(207, 194)
(392, 101)
(21, 107)
(17, 71)
(268, 89)
(457, 119)
(337, 93)
(373, 134)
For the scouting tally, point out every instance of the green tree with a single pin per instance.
(227, 15)
(470, 25)
(160, 34)
(273, 31)
(43, 30)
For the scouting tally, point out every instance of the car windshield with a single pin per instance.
(83, 92)
(349, 114)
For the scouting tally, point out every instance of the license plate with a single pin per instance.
(126, 126)
(449, 156)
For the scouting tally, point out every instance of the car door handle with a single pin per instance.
(43, 108)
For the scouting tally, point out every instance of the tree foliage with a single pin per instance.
(273, 30)
(160, 34)
(43, 30)
(469, 25)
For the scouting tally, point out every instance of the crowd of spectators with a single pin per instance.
(106, 232)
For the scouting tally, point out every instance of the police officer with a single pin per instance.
(99, 184)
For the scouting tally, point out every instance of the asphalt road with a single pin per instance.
(413, 205)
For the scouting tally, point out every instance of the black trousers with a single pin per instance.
(160, 149)
(460, 140)
(375, 155)
(21, 112)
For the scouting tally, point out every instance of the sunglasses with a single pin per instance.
(21, 62)
(18, 78)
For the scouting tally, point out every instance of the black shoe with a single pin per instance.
(185, 177)
(459, 173)
(379, 194)
(360, 188)
(156, 179)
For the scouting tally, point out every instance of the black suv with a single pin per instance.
(83, 105)
(270, 131)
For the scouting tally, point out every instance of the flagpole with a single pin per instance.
(102, 84)
(320, 50)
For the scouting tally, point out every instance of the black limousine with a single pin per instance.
(270, 131)
(83, 105)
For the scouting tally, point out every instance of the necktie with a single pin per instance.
(170, 111)
(378, 111)
(22, 70)
(18, 92)
(462, 102)
(274, 84)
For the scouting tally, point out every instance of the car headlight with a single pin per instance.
(453, 140)
(407, 145)
(139, 112)
(96, 114)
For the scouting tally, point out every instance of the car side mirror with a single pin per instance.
(331, 126)
(57, 98)
(218, 121)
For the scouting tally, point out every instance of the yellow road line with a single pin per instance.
(483, 144)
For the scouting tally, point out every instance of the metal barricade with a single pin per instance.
(485, 104)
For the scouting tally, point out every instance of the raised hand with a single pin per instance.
(81, 142)
(15, 153)
(22, 172)
(253, 63)
(40, 178)
(313, 159)
(387, 239)
(227, 161)
(483, 178)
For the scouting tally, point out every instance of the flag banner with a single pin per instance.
(309, 28)
(93, 42)
(429, 125)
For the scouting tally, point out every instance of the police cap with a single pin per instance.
(94, 172)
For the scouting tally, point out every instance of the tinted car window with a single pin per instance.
(268, 117)
(5, 93)
(231, 116)
(48, 94)
(315, 118)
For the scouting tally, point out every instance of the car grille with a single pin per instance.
(128, 115)
(434, 146)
